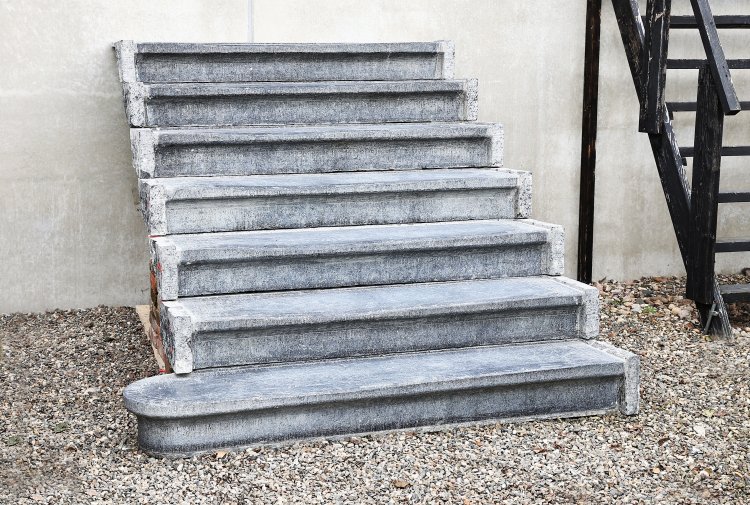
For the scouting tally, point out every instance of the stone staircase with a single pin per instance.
(336, 251)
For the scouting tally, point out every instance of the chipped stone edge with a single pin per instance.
(555, 254)
(588, 314)
(177, 335)
(446, 68)
(153, 206)
(523, 193)
(166, 257)
(143, 148)
(125, 51)
(135, 102)
(471, 105)
(630, 393)
(496, 135)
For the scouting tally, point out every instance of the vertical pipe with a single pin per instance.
(588, 141)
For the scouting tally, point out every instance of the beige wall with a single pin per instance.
(70, 234)
(528, 57)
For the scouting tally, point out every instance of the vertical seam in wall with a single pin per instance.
(250, 19)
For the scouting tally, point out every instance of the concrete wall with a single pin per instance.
(70, 234)
(528, 56)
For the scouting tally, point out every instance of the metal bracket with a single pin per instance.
(711, 313)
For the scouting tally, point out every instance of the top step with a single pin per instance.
(172, 62)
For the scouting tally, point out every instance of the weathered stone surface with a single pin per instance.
(217, 263)
(314, 148)
(228, 330)
(260, 202)
(231, 408)
(188, 62)
(230, 104)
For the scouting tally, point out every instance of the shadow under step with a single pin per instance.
(267, 150)
(231, 62)
(261, 202)
(216, 104)
(286, 326)
(232, 408)
(236, 262)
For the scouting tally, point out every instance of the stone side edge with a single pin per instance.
(496, 135)
(177, 333)
(125, 51)
(471, 105)
(166, 257)
(135, 102)
(630, 394)
(143, 148)
(588, 317)
(523, 193)
(555, 254)
(153, 206)
(445, 68)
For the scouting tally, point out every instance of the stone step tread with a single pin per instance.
(256, 310)
(275, 48)
(237, 62)
(263, 89)
(248, 389)
(206, 151)
(165, 136)
(318, 102)
(228, 246)
(191, 188)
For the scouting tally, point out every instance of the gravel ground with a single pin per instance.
(66, 438)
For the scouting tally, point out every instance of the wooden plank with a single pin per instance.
(691, 63)
(588, 141)
(734, 197)
(689, 152)
(736, 293)
(722, 22)
(656, 46)
(704, 200)
(730, 245)
(715, 54)
(691, 106)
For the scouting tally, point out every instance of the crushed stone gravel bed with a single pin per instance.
(65, 436)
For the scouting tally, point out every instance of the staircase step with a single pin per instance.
(735, 293)
(232, 408)
(733, 245)
(248, 261)
(310, 149)
(689, 152)
(259, 328)
(216, 104)
(189, 62)
(258, 202)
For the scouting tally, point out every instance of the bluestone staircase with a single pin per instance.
(336, 251)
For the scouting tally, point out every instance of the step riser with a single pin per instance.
(266, 213)
(362, 338)
(236, 110)
(291, 68)
(187, 436)
(300, 62)
(341, 270)
(289, 157)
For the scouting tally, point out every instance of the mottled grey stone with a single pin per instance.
(233, 62)
(259, 202)
(314, 148)
(216, 263)
(229, 104)
(229, 408)
(229, 330)
(630, 397)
